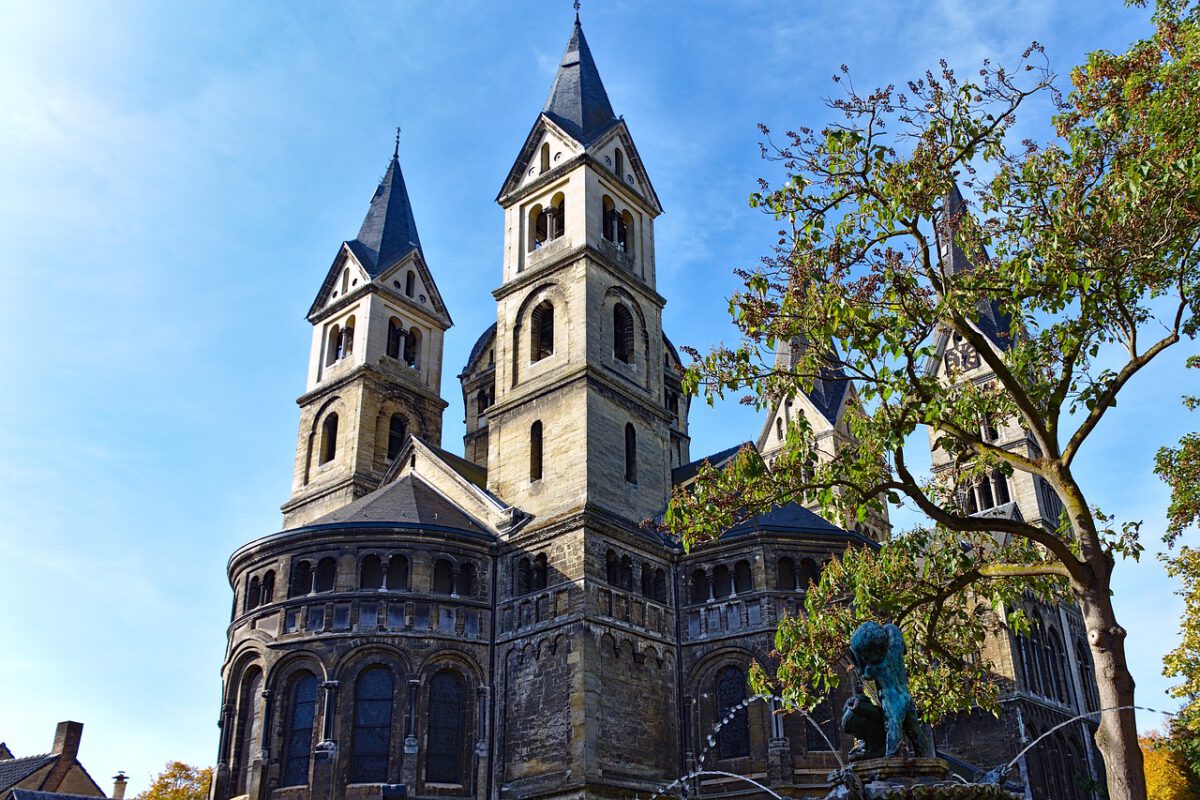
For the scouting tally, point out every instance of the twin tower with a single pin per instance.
(572, 399)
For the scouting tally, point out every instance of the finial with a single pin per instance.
(396, 152)
(576, 12)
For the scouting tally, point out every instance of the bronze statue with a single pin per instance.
(878, 654)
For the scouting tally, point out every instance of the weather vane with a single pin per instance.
(577, 10)
(396, 152)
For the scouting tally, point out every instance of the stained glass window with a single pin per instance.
(297, 744)
(733, 740)
(372, 726)
(443, 759)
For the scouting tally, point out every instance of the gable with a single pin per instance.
(634, 172)
(345, 275)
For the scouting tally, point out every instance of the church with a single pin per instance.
(502, 623)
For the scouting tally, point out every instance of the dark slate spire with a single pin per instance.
(389, 231)
(994, 323)
(577, 101)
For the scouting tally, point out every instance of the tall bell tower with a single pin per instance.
(375, 366)
(579, 417)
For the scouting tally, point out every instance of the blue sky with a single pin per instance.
(176, 180)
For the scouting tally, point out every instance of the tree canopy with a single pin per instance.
(961, 277)
(179, 781)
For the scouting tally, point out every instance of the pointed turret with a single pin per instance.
(389, 231)
(577, 101)
(993, 322)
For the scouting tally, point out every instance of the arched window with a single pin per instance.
(535, 451)
(630, 453)
(268, 586)
(297, 741)
(699, 586)
(539, 227)
(372, 735)
(624, 232)
(785, 578)
(443, 577)
(1038, 672)
(397, 573)
(410, 283)
(541, 331)
(395, 337)
(810, 573)
(721, 583)
(249, 728)
(733, 740)
(987, 428)
(545, 158)
(619, 164)
(779, 428)
(647, 581)
(1000, 486)
(627, 573)
(465, 581)
(482, 401)
(660, 585)
(608, 218)
(397, 433)
(522, 577)
(1057, 657)
(412, 348)
(613, 569)
(346, 346)
(1087, 687)
(326, 571)
(622, 333)
(539, 572)
(333, 345)
(301, 581)
(558, 219)
(329, 431)
(253, 595)
(743, 580)
(370, 573)
(446, 722)
(345, 281)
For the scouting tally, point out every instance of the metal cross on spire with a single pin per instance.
(577, 10)
(396, 152)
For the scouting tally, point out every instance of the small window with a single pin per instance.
(647, 581)
(326, 571)
(627, 573)
(370, 573)
(347, 340)
(541, 324)
(624, 232)
(268, 586)
(619, 166)
(612, 568)
(395, 338)
(329, 431)
(535, 451)
(699, 586)
(545, 158)
(779, 428)
(558, 220)
(786, 575)
(443, 577)
(301, 581)
(412, 348)
(333, 347)
(253, 594)
(608, 218)
(397, 433)
(397, 574)
(622, 333)
(743, 579)
(660, 585)
(539, 577)
(465, 581)
(345, 280)
(522, 577)
(410, 283)
(722, 582)
(539, 227)
(630, 453)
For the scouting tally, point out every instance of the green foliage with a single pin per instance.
(1087, 242)
(1183, 662)
(179, 781)
(918, 581)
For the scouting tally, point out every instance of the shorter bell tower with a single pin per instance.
(375, 365)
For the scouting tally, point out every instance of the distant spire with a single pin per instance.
(577, 101)
(389, 231)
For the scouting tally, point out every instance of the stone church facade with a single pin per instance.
(502, 625)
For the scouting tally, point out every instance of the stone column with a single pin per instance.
(325, 753)
(220, 783)
(779, 750)
(256, 786)
(408, 767)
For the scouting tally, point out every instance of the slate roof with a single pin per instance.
(827, 390)
(15, 770)
(407, 500)
(389, 231)
(33, 794)
(577, 101)
(477, 349)
(690, 470)
(993, 322)
(792, 517)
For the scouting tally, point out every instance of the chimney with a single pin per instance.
(119, 781)
(66, 739)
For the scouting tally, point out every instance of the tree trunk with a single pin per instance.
(1116, 737)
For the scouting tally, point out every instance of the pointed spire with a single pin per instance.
(994, 323)
(389, 230)
(577, 101)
